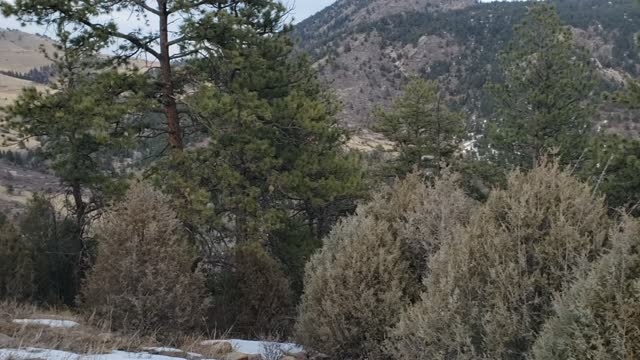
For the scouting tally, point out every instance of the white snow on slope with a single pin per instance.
(164, 349)
(47, 322)
(35, 353)
(257, 347)
(244, 346)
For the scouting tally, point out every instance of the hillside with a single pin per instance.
(367, 50)
(21, 52)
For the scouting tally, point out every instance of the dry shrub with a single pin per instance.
(598, 317)
(142, 280)
(490, 288)
(370, 266)
(438, 209)
(253, 297)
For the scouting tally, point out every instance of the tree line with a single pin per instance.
(39, 75)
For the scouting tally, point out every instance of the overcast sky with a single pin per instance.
(301, 9)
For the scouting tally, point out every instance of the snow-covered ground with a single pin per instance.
(47, 322)
(264, 348)
(258, 347)
(34, 353)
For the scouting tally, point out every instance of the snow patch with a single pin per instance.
(257, 347)
(35, 353)
(48, 322)
(260, 347)
(166, 350)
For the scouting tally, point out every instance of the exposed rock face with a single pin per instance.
(367, 49)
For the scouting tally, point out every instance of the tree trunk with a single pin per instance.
(80, 206)
(168, 96)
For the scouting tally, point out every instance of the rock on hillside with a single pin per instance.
(366, 49)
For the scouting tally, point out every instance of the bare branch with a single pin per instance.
(143, 5)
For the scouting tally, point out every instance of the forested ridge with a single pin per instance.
(472, 38)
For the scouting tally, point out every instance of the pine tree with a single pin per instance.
(81, 122)
(611, 164)
(426, 133)
(208, 27)
(545, 104)
(273, 161)
(55, 252)
(16, 265)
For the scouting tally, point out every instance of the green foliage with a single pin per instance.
(294, 246)
(490, 287)
(611, 163)
(273, 156)
(598, 316)
(82, 122)
(16, 267)
(58, 255)
(206, 27)
(426, 133)
(545, 104)
(41, 256)
(254, 298)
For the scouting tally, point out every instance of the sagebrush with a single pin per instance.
(142, 280)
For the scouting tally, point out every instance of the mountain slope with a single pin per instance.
(20, 51)
(367, 50)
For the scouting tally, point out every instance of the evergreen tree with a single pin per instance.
(38, 256)
(545, 104)
(207, 27)
(16, 266)
(271, 170)
(426, 133)
(81, 123)
(612, 163)
(54, 252)
(273, 161)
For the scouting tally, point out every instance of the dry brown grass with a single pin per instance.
(85, 339)
(81, 339)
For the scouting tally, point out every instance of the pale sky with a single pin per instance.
(305, 8)
(301, 9)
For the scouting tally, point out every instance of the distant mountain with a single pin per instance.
(366, 49)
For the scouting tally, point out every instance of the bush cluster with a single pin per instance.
(370, 266)
(485, 278)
